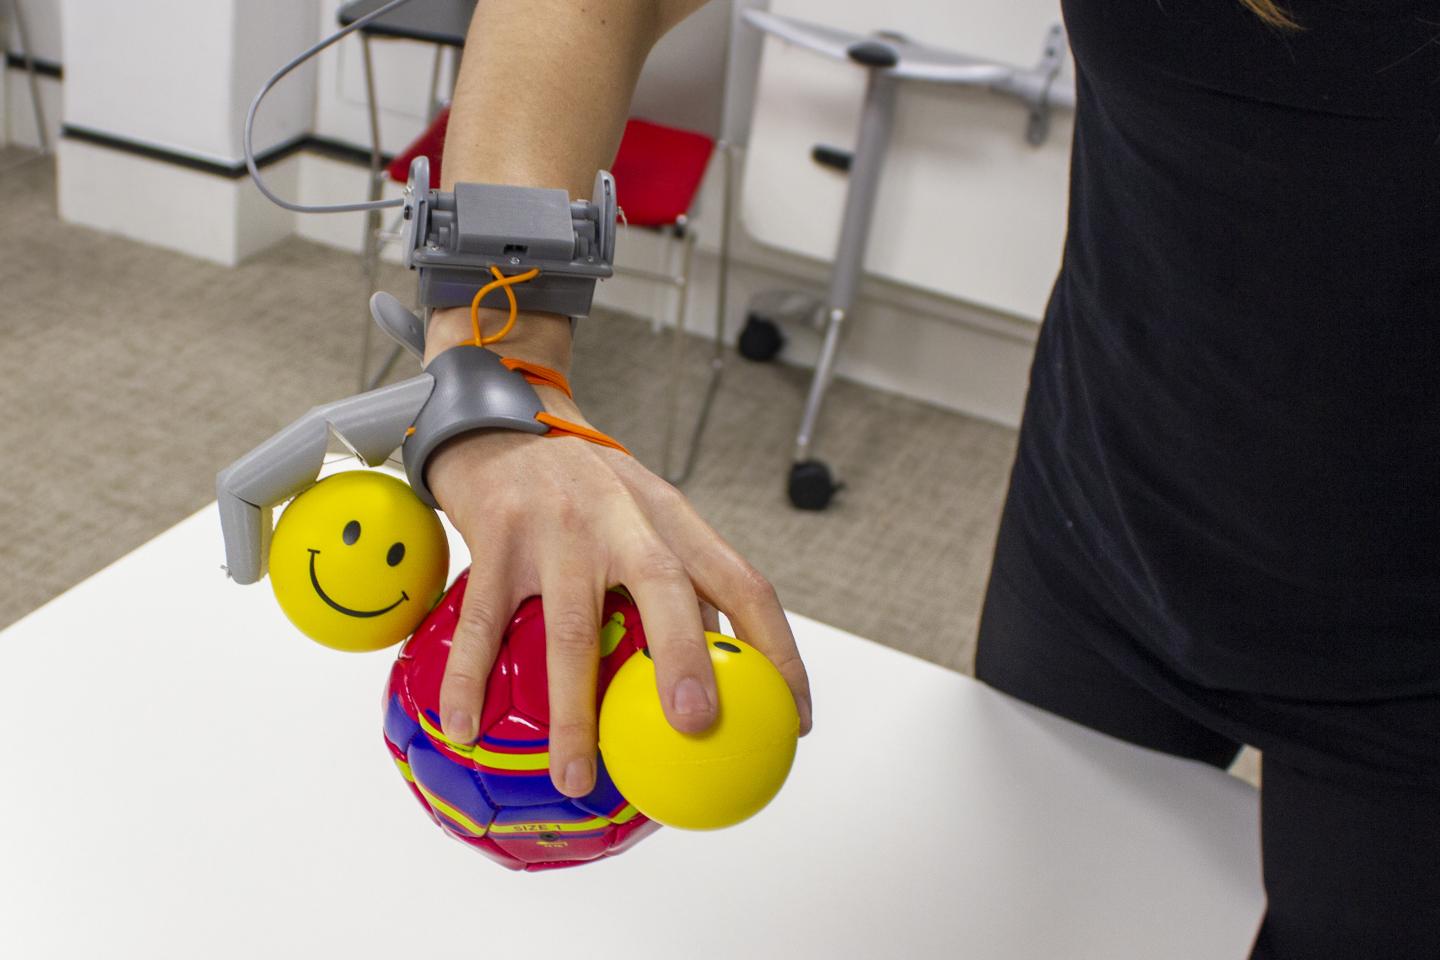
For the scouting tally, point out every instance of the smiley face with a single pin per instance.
(357, 561)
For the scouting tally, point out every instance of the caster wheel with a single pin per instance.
(761, 339)
(811, 486)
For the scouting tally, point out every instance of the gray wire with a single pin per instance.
(279, 75)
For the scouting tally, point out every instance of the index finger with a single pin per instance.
(724, 578)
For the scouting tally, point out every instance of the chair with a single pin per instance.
(658, 171)
(444, 25)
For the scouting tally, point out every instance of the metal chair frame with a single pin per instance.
(680, 282)
(375, 235)
(23, 35)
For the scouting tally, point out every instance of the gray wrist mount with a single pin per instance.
(454, 238)
(465, 388)
(473, 391)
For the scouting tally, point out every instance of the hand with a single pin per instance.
(567, 519)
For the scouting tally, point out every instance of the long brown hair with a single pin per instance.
(1272, 13)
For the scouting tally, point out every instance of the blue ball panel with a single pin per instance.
(519, 789)
(605, 799)
(451, 784)
(399, 728)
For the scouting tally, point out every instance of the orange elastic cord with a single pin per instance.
(534, 373)
(501, 282)
(538, 375)
(545, 377)
(564, 428)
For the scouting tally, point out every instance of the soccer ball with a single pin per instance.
(496, 794)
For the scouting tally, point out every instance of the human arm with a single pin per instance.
(541, 101)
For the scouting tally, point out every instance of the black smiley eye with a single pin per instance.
(726, 645)
(396, 554)
(351, 533)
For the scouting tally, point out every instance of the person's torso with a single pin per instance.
(1234, 403)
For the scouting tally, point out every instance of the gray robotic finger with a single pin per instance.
(403, 326)
(371, 424)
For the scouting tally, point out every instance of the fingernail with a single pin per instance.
(461, 726)
(579, 774)
(690, 698)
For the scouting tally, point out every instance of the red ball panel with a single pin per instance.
(534, 826)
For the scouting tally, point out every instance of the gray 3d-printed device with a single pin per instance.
(454, 238)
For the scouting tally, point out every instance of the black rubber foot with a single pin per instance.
(761, 340)
(811, 486)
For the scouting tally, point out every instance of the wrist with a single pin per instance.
(542, 338)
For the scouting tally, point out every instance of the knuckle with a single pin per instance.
(566, 513)
(790, 664)
(663, 493)
(572, 631)
(659, 564)
(479, 617)
(574, 733)
(753, 587)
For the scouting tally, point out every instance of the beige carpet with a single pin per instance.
(130, 374)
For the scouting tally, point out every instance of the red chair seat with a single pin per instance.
(657, 170)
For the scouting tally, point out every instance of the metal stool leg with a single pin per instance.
(24, 37)
(717, 359)
(375, 239)
(811, 487)
(370, 250)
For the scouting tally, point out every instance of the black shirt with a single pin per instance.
(1233, 434)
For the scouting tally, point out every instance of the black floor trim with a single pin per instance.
(45, 68)
(333, 149)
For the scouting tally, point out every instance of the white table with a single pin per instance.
(186, 777)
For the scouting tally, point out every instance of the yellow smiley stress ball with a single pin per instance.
(709, 780)
(357, 561)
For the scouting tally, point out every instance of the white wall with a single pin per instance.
(180, 75)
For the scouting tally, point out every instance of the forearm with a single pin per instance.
(541, 100)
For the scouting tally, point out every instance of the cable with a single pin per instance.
(278, 76)
(504, 283)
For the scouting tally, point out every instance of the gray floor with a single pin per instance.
(129, 374)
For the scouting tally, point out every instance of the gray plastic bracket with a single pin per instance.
(454, 239)
(473, 391)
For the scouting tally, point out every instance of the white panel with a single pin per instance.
(967, 208)
(258, 222)
(142, 199)
(154, 71)
(267, 34)
(181, 75)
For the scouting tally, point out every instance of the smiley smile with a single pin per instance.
(320, 592)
